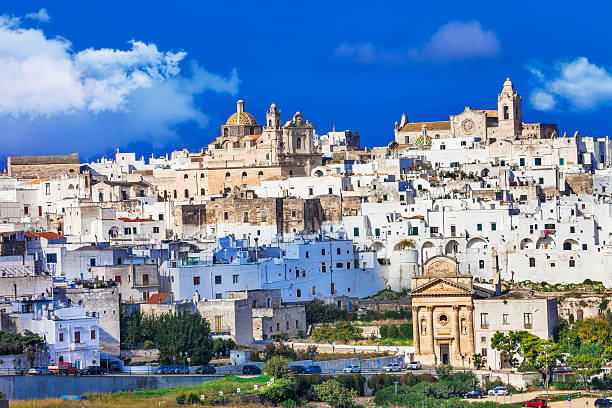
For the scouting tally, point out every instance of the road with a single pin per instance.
(526, 396)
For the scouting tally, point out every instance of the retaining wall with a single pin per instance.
(19, 387)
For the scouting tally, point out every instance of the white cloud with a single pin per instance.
(51, 96)
(41, 16)
(454, 41)
(461, 41)
(542, 100)
(579, 83)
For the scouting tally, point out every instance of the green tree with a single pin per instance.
(317, 311)
(384, 331)
(405, 330)
(394, 332)
(585, 366)
(276, 367)
(478, 360)
(335, 394)
(509, 345)
(543, 355)
(185, 333)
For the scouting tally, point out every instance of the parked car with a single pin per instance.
(39, 371)
(92, 370)
(63, 368)
(499, 391)
(207, 369)
(110, 365)
(392, 367)
(164, 370)
(351, 369)
(603, 403)
(414, 365)
(73, 397)
(297, 369)
(251, 369)
(313, 369)
(473, 394)
(536, 402)
(181, 369)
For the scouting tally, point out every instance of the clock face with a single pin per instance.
(468, 126)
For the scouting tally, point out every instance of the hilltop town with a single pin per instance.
(463, 227)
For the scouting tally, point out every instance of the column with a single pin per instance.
(470, 329)
(416, 335)
(430, 332)
(456, 331)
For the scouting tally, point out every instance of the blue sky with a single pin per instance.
(92, 76)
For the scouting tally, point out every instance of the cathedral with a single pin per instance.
(483, 125)
(247, 152)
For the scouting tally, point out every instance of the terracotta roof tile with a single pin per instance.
(45, 235)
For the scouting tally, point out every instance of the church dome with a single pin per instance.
(241, 117)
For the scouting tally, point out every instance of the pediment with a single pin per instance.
(442, 287)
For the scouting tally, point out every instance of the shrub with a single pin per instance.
(444, 372)
(355, 382)
(394, 331)
(499, 383)
(379, 381)
(180, 399)
(572, 384)
(335, 394)
(405, 330)
(276, 367)
(279, 349)
(384, 331)
(300, 334)
(193, 398)
(281, 391)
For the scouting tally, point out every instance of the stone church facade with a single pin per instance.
(442, 313)
(484, 125)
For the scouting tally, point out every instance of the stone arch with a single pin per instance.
(298, 143)
(526, 243)
(260, 175)
(477, 243)
(377, 246)
(113, 232)
(427, 250)
(546, 243)
(244, 175)
(318, 173)
(452, 247)
(570, 244)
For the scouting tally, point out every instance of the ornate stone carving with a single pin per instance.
(441, 268)
(468, 126)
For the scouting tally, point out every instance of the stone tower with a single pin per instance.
(273, 117)
(510, 117)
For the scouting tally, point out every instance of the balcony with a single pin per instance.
(484, 325)
(528, 326)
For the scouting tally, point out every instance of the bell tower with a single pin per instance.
(510, 117)
(273, 117)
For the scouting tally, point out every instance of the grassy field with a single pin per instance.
(164, 397)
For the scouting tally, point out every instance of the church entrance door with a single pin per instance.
(444, 353)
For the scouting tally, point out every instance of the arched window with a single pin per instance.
(299, 293)
(260, 175)
(264, 216)
(101, 197)
(165, 194)
(298, 143)
(532, 262)
(269, 122)
(506, 116)
(225, 132)
(175, 194)
(202, 191)
(185, 176)
(314, 290)
(244, 175)
(186, 193)
(572, 263)
(201, 175)
(227, 176)
(246, 217)
(481, 264)
(297, 273)
(290, 173)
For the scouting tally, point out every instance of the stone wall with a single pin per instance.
(26, 286)
(579, 183)
(35, 167)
